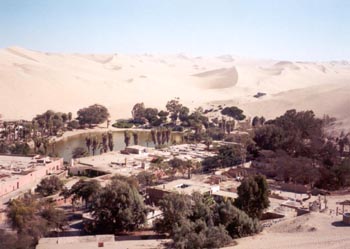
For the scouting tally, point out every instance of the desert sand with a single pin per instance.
(32, 82)
(310, 231)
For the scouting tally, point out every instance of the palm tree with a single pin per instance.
(167, 135)
(153, 133)
(45, 145)
(163, 136)
(159, 137)
(110, 141)
(136, 138)
(126, 138)
(104, 142)
(88, 143)
(94, 145)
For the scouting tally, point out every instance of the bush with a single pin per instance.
(49, 186)
(73, 124)
(123, 124)
(237, 223)
(198, 222)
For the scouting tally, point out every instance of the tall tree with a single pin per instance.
(94, 145)
(94, 114)
(88, 143)
(119, 207)
(253, 196)
(138, 112)
(136, 138)
(110, 141)
(126, 138)
(173, 106)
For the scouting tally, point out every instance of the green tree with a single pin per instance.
(118, 207)
(253, 196)
(163, 115)
(233, 112)
(138, 113)
(151, 114)
(173, 107)
(94, 114)
(174, 208)
(49, 186)
(237, 223)
(87, 190)
(184, 113)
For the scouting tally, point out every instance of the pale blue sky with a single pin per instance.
(281, 29)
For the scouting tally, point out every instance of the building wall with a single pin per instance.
(297, 188)
(155, 195)
(22, 181)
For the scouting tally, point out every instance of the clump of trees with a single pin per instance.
(118, 207)
(228, 155)
(175, 111)
(50, 121)
(302, 151)
(141, 115)
(198, 222)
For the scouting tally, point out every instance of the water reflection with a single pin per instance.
(65, 147)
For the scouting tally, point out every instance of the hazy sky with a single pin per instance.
(281, 29)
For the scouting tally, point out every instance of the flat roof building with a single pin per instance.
(187, 187)
(19, 173)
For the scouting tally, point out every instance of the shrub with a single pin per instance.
(49, 186)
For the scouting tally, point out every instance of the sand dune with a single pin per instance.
(218, 78)
(32, 82)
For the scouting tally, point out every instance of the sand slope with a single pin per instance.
(32, 82)
(312, 231)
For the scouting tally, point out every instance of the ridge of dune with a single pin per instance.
(218, 78)
(32, 82)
